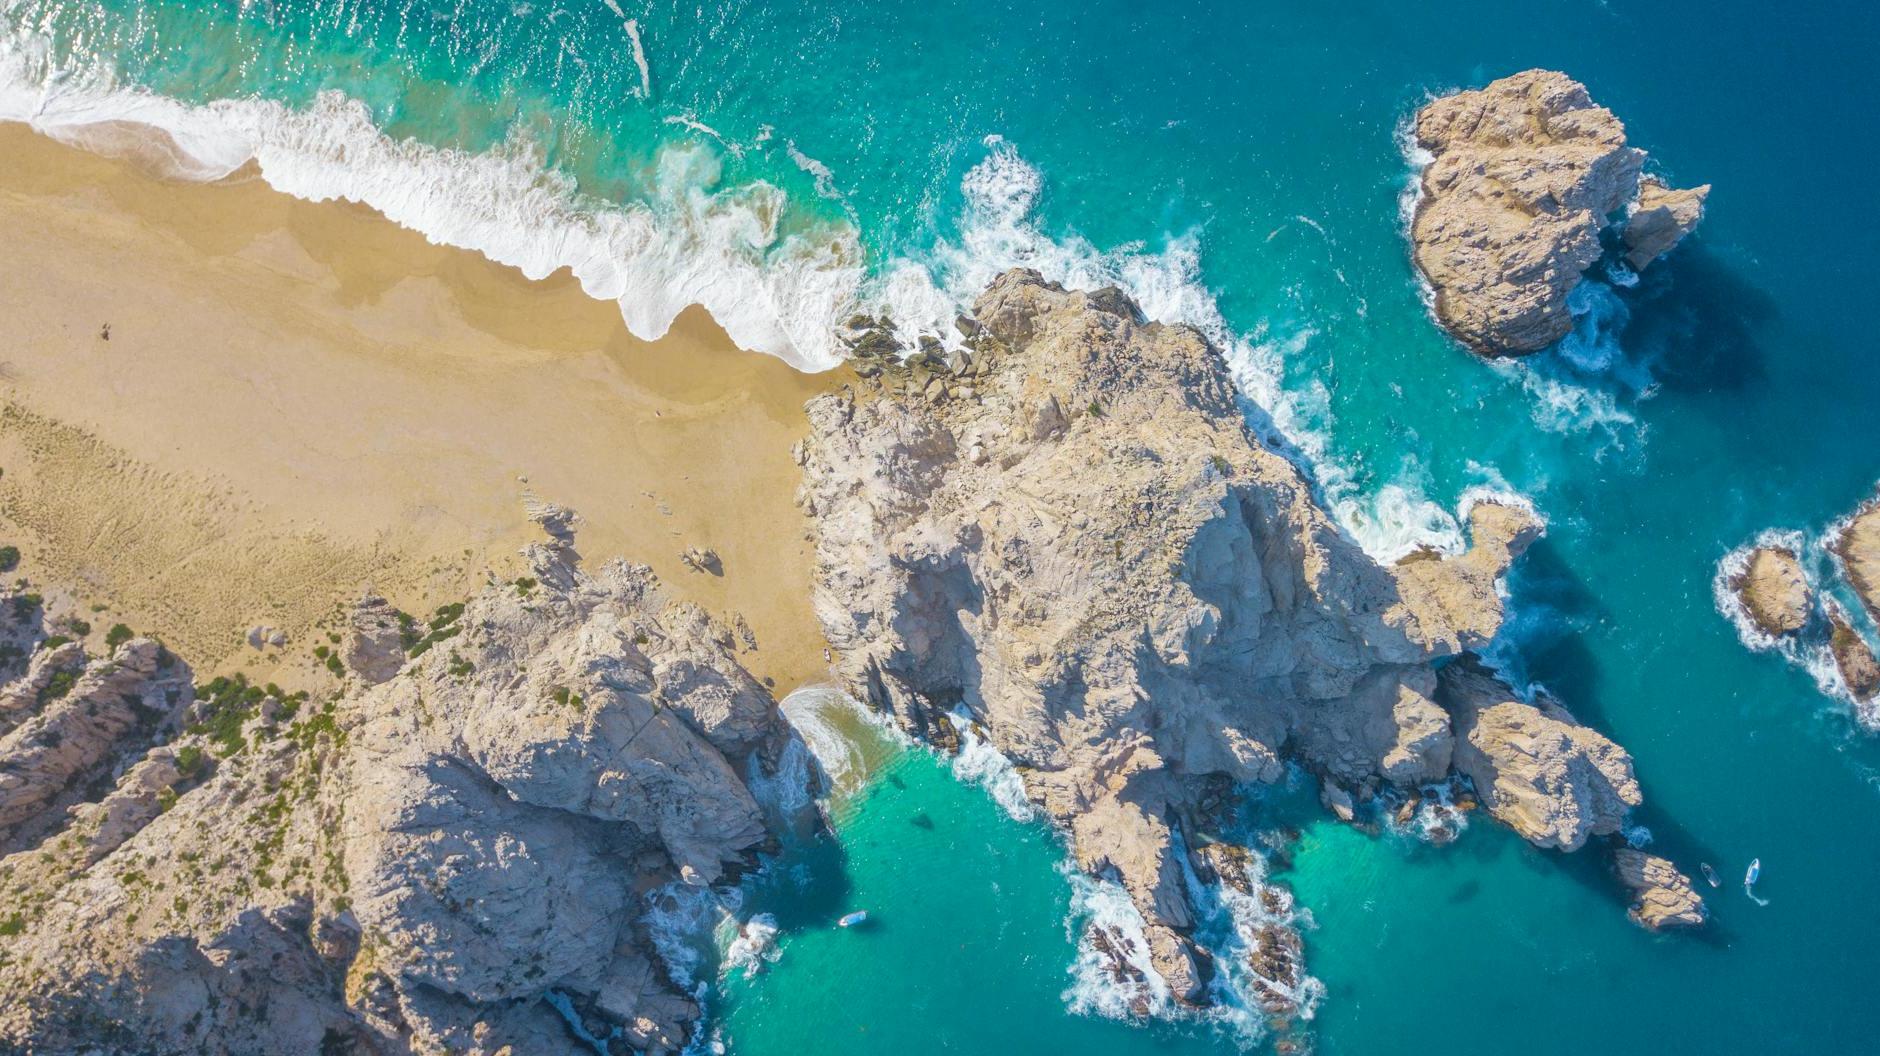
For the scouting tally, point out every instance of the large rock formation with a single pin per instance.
(1662, 897)
(1774, 591)
(1524, 175)
(1536, 768)
(456, 860)
(1070, 537)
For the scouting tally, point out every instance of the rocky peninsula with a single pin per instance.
(1524, 177)
(452, 853)
(1066, 538)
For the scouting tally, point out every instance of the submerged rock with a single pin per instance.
(1099, 564)
(1662, 897)
(1774, 591)
(419, 865)
(1524, 176)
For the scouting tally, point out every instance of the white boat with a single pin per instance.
(1710, 874)
(1755, 871)
(853, 919)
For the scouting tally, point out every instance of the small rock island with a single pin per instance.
(1524, 176)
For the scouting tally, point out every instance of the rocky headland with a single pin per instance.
(451, 853)
(1066, 538)
(1524, 176)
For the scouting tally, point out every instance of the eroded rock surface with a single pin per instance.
(1662, 897)
(1537, 770)
(1660, 220)
(1774, 590)
(1855, 660)
(1524, 176)
(1858, 546)
(1073, 540)
(418, 865)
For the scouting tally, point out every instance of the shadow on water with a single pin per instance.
(1701, 322)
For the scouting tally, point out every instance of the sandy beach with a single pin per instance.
(296, 401)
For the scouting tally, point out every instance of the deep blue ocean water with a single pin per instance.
(1236, 165)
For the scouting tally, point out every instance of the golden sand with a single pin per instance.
(297, 400)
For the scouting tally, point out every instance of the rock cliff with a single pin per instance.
(1068, 536)
(1524, 176)
(455, 859)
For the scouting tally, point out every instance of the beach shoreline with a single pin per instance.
(298, 400)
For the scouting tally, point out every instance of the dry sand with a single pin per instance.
(297, 400)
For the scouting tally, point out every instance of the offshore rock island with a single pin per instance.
(1524, 177)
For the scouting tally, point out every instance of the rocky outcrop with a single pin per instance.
(88, 712)
(373, 648)
(1855, 660)
(1662, 897)
(1857, 544)
(1774, 591)
(446, 861)
(1069, 537)
(1660, 219)
(1537, 770)
(1523, 176)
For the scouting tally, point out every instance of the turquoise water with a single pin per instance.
(1236, 165)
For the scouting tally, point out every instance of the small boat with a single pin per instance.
(1749, 882)
(849, 921)
(1710, 874)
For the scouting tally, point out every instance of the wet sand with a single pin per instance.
(297, 400)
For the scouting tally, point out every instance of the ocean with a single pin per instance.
(1241, 167)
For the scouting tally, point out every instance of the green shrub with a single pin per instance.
(9, 558)
(57, 686)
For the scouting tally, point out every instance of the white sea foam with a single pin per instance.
(726, 250)
(639, 55)
(1101, 907)
(979, 762)
(753, 946)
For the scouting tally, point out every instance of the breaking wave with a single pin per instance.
(773, 291)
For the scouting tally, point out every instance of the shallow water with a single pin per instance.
(1238, 166)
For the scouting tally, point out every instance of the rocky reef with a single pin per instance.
(1524, 176)
(1067, 537)
(451, 854)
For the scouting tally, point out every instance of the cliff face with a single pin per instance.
(427, 864)
(1069, 537)
(1524, 176)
